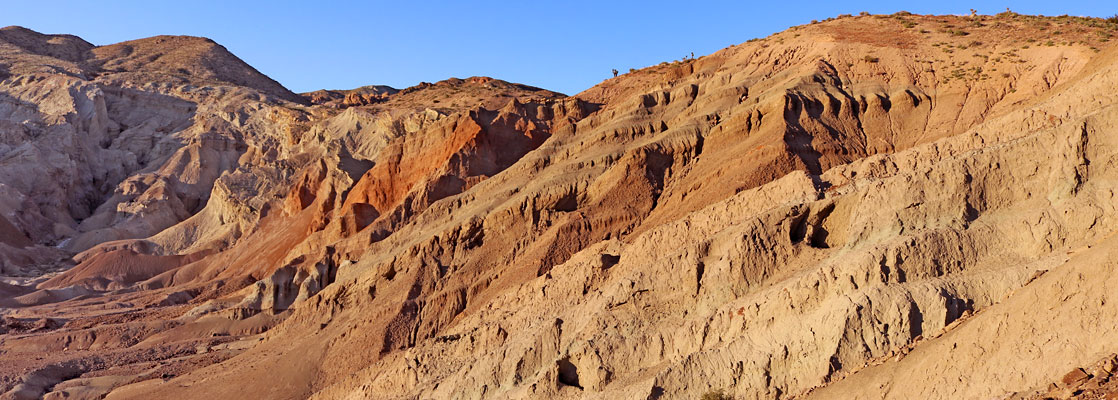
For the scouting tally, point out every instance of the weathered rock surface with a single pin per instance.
(869, 207)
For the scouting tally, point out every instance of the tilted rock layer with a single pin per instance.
(868, 207)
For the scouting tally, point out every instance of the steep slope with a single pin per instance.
(25, 51)
(872, 206)
(185, 60)
(556, 286)
(189, 166)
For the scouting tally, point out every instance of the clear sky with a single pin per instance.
(566, 46)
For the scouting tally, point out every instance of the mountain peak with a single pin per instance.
(69, 48)
(195, 59)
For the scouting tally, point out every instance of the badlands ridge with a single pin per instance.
(890, 206)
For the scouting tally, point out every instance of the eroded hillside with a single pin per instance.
(874, 206)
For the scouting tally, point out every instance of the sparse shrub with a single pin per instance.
(632, 70)
(864, 13)
(871, 59)
(814, 21)
(716, 395)
(1112, 20)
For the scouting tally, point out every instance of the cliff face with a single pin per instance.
(872, 206)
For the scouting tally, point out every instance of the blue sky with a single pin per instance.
(563, 46)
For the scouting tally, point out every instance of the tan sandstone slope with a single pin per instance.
(893, 206)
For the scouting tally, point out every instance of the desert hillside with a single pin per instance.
(873, 206)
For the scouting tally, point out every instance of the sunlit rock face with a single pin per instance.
(868, 207)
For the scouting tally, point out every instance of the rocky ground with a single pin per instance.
(873, 206)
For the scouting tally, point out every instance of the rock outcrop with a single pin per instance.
(869, 207)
